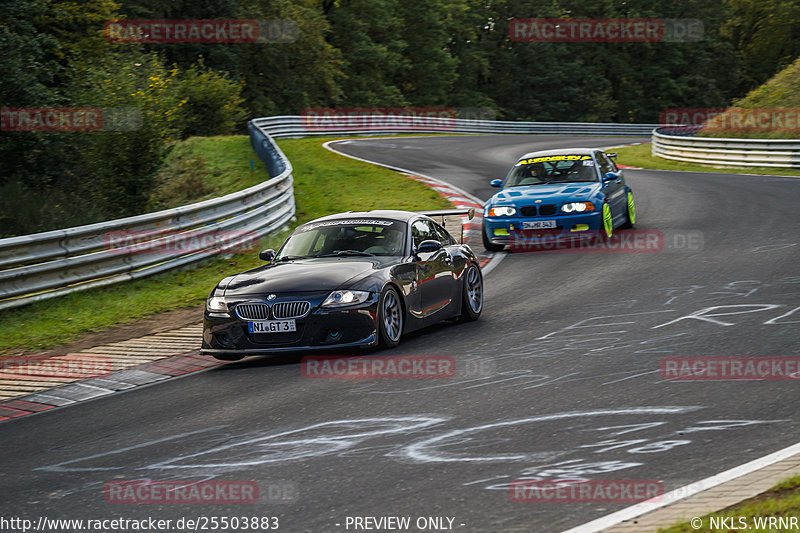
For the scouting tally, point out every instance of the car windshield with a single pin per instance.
(552, 169)
(344, 237)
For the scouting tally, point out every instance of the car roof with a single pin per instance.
(391, 214)
(562, 151)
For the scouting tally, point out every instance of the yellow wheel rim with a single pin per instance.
(608, 224)
(631, 209)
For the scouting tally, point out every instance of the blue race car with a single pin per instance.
(558, 194)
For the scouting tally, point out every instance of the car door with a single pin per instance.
(435, 278)
(615, 189)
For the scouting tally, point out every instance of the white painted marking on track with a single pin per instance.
(684, 492)
(424, 451)
(60, 468)
(264, 449)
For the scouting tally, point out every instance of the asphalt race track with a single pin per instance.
(559, 379)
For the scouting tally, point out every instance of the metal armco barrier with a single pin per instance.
(44, 265)
(672, 143)
(307, 125)
(53, 263)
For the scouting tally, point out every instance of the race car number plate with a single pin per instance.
(272, 326)
(539, 224)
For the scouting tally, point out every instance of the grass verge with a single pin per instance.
(781, 501)
(324, 183)
(640, 156)
(201, 168)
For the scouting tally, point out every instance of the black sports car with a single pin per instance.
(345, 280)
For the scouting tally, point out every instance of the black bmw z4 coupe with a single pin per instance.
(355, 279)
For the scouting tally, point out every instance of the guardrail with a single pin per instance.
(307, 125)
(45, 265)
(680, 145)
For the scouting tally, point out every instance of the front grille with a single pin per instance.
(252, 311)
(547, 210)
(290, 309)
(528, 210)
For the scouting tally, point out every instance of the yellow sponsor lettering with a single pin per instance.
(547, 158)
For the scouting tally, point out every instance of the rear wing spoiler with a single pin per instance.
(469, 213)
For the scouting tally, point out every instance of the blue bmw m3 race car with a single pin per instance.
(558, 194)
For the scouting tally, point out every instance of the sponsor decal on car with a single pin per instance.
(347, 222)
(553, 158)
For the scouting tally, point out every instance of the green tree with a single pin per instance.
(367, 34)
(431, 70)
(122, 162)
(287, 77)
(766, 35)
(217, 56)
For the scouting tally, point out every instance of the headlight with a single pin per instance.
(501, 211)
(345, 297)
(577, 207)
(216, 304)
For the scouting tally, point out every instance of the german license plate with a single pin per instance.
(272, 326)
(539, 224)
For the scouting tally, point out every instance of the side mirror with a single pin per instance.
(429, 246)
(496, 183)
(267, 255)
(611, 176)
(612, 155)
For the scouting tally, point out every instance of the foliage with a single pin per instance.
(211, 103)
(766, 36)
(780, 95)
(345, 53)
(781, 502)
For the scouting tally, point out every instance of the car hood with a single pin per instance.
(322, 274)
(551, 193)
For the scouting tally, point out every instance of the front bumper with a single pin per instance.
(321, 328)
(367, 342)
(507, 230)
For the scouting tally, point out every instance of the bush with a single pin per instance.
(211, 104)
(181, 180)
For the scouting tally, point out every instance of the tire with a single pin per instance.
(489, 245)
(228, 357)
(630, 213)
(606, 223)
(390, 318)
(471, 294)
